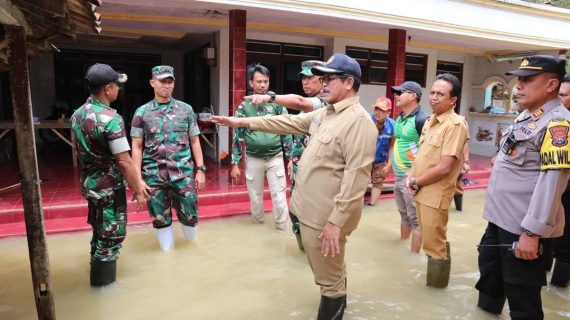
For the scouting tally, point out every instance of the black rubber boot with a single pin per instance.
(438, 272)
(560, 274)
(490, 304)
(103, 272)
(300, 241)
(331, 308)
(458, 202)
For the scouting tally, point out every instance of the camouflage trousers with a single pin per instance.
(294, 220)
(179, 195)
(108, 218)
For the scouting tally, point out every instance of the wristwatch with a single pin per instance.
(271, 94)
(529, 233)
(414, 185)
(201, 168)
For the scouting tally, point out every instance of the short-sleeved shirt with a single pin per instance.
(442, 135)
(520, 195)
(384, 140)
(407, 134)
(261, 145)
(166, 129)
(99, 134)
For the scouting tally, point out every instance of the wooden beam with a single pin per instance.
(10, 14)
(28, 162)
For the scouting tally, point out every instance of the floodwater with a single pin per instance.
(241, 270)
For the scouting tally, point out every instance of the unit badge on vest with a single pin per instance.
(555, 151)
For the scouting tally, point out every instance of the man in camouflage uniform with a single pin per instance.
(103, 150)
(264, 154)
(163, 132)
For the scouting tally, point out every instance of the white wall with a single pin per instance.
(219, 84)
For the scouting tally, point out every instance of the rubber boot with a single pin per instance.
(458, 202)
(165, 238)
(190, 233)
(490, 304)
(331, 308)
(560, 274)
(300, 241)
(438, 272)
(103, 272)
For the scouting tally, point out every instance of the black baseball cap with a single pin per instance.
(408, 86)
(567, 78)
(532, 65)
(101, 74)
(339, 64)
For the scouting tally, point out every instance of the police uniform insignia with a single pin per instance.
(538, 113)
(554, 152)
(532, 125)
(559, 136)
(524, 63)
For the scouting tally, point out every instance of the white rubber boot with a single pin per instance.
(190, 233)
(165, 238)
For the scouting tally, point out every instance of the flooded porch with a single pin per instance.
(241, 270)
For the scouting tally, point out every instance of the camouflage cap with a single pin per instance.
(101, 74)
(307, 65)
(163, 72)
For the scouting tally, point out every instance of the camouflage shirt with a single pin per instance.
(99, 134)
(166, 129)
(259, 144)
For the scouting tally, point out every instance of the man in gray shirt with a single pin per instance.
(523, 197)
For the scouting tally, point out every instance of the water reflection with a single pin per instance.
(240, 270)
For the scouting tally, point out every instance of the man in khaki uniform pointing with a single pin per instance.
(332, 175)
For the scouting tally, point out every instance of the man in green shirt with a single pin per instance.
(264, 153)
(409, 124)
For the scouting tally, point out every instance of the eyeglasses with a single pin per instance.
(328, 78)
(403, 92)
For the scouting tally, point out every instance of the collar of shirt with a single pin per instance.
(545, 108)
(157, 105)
(341, 105)
(92, 100)
(445, 115)
(413, 113)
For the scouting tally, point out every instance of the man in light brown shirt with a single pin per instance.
(435, 173)
(332, 176)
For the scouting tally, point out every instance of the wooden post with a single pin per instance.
(27, 160)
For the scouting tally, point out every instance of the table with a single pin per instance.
(56, 126)
(210, 137)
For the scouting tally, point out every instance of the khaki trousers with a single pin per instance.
(255, 171)
(329, 272)
(433, 225)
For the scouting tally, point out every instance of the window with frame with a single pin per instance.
(374, 65)
(454, 68)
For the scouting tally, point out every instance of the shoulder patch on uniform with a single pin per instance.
(554, 152)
